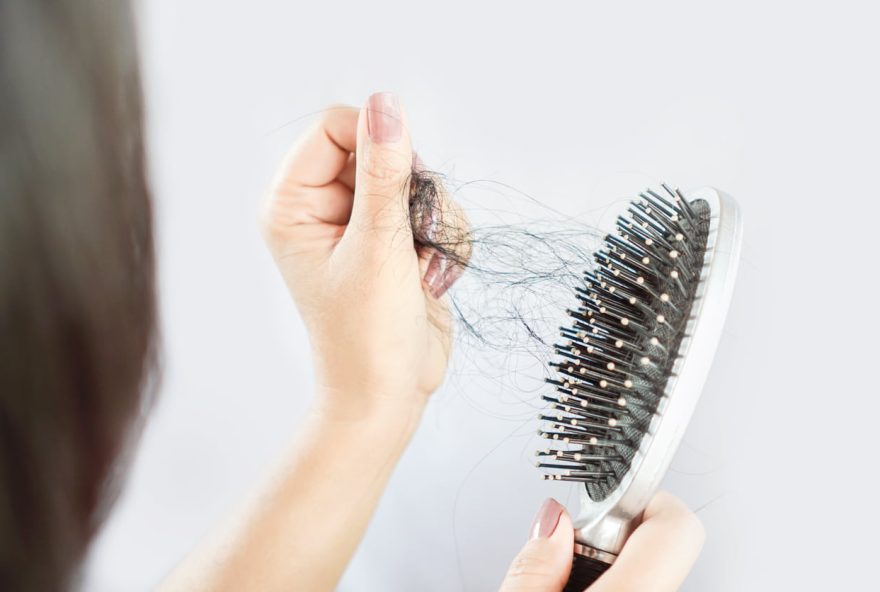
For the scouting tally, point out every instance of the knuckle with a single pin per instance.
(277, 219)
(386, 166)
(385, 215)
(331, 113)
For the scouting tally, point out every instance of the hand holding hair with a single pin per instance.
(338, 225)
(657, 557)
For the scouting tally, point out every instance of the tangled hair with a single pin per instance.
(77, 305)
(520, 276)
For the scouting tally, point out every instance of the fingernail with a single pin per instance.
(383, 117)
(418, 165)
(546, 520)
(441, 274)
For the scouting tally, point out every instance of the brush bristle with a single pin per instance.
(612, 369)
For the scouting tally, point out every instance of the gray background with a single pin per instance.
(578, 104)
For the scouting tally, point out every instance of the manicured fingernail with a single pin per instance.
(441, 274)
(383, 117)
(546, 520)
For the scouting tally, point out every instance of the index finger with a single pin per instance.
(661, 551)
(322, 153)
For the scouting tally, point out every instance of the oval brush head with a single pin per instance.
(624, 336)
(627, 373)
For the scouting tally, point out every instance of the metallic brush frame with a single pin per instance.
(601, 528)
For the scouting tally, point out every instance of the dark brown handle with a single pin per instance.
(584, 571)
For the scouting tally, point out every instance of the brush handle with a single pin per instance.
(585, 569)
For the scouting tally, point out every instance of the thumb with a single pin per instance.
(384, 166)
(544, 563)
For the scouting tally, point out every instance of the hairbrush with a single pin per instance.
(631, 366)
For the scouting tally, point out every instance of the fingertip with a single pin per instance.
(384, 118)
(556, 528)
(562, 543)
(384, 150)
(544, 563)
(666, 507)
(564, 532)
(547, 519)
(383, 123)
(664, 502)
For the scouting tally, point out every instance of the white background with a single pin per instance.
(578, 104)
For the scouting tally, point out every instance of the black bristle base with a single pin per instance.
(618, 352)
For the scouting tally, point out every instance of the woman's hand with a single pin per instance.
(657, 557)
(338, 226)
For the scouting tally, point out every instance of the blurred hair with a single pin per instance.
(77, 304)
(77, 293)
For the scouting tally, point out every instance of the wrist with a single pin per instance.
(368, 411)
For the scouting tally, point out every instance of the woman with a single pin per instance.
(77, 327)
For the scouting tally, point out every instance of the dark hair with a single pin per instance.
(77, 304)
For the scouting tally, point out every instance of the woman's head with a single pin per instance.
(77, 309)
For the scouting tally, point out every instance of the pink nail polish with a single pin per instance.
(434, 273)
(453, 272)
(441, 274)
(546, 520)
(384, 123)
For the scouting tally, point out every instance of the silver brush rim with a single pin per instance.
(604, 526)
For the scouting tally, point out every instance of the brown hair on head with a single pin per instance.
(77, 303)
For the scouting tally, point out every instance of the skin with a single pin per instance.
(657, 557)
(337, 224)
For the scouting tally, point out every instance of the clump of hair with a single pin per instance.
(520, 276)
